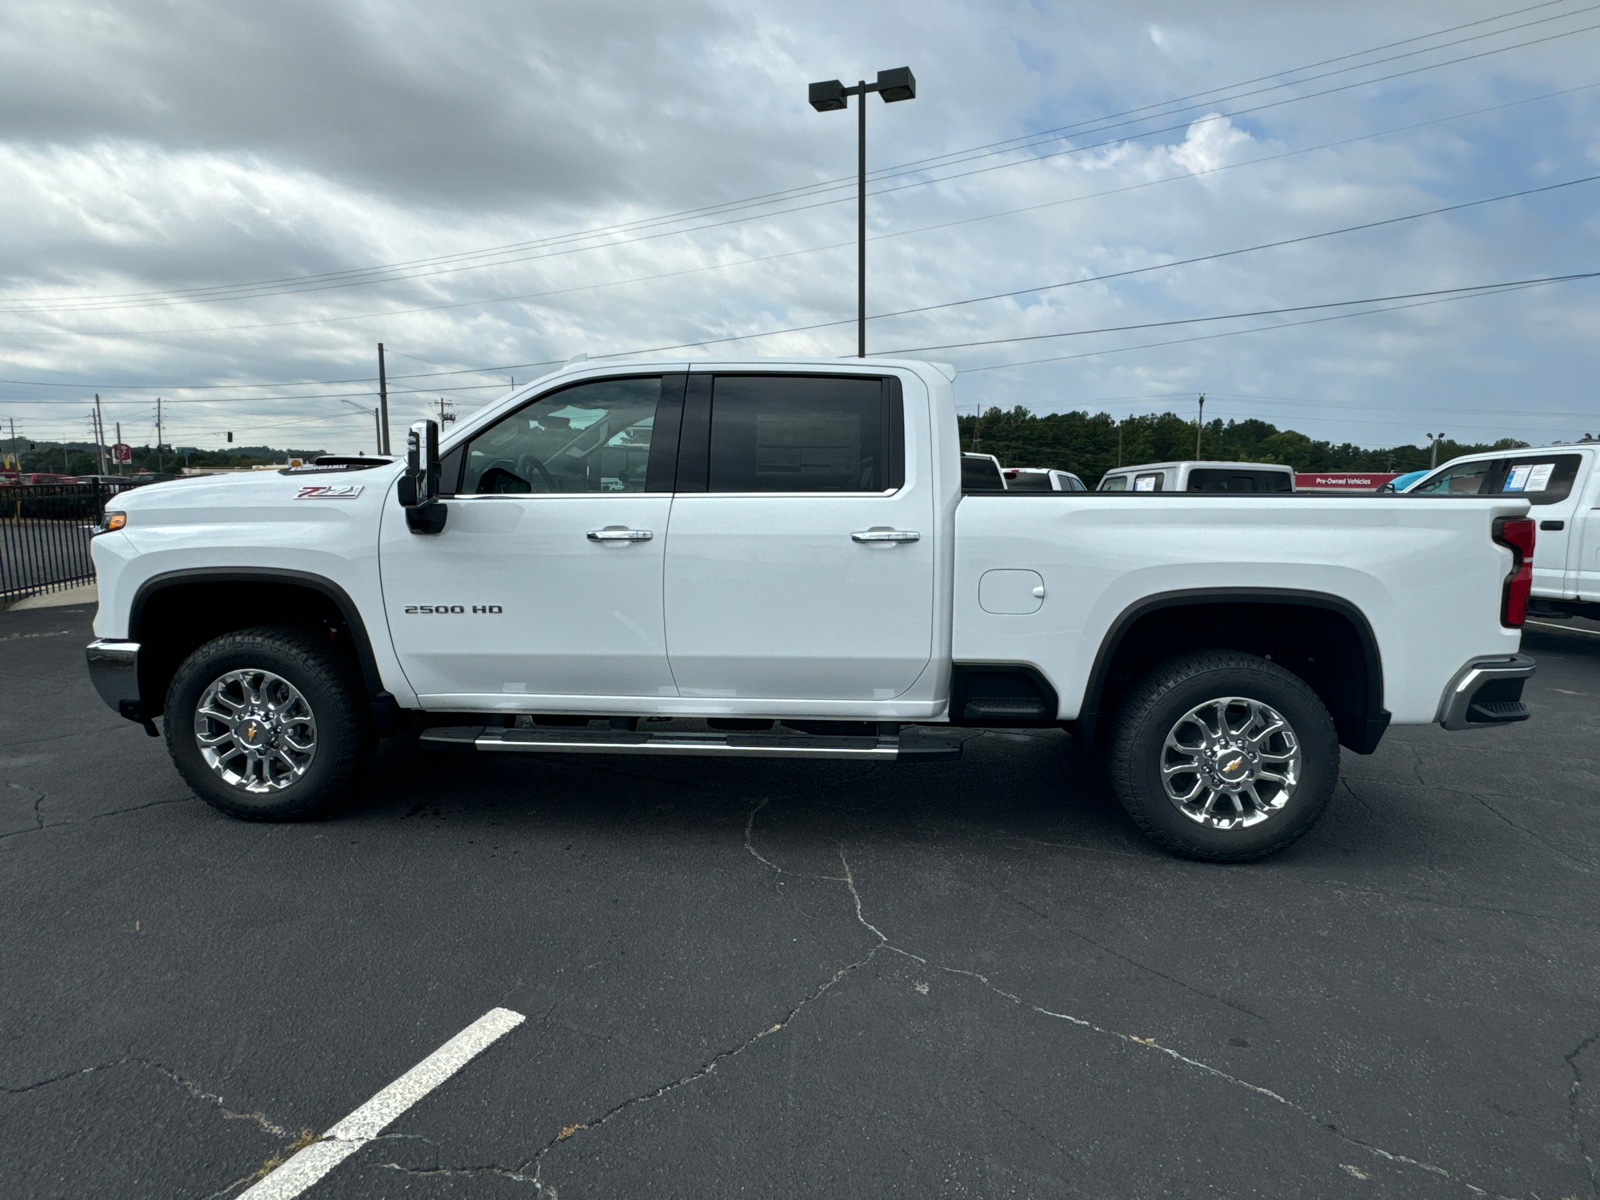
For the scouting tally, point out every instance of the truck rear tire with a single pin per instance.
(268, 724)
(1223, 756)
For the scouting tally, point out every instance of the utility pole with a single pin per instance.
(1200, 423)
(158, 435)
(383, 404)
(118, 442)
(1119, 443)
(100, 433)
(17, 460)
(977, 427)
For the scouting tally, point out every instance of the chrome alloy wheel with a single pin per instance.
(255, 730)
(1230, 763)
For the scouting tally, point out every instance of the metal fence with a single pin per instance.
(44, 535)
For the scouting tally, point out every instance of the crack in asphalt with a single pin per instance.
(115, 812)
(536, 1161)
(1572, 1110)
(266, 1124)
(1132, 962)
(1523, 829)
(884, 943)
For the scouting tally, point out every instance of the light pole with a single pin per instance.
(829, 96)
(1435, 439)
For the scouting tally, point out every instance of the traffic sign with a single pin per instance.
(122, 453)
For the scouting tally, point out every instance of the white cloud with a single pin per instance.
(146, 147)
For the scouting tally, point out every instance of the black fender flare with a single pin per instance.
(1376, 719)
(386, 711)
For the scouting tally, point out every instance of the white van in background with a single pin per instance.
(1195, 476)
(1041, 479)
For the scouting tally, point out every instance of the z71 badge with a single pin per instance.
(343, 491)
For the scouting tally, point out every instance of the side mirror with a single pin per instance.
(419, 486)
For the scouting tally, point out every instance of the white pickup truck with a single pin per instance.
(1562, 485)
(776, 558)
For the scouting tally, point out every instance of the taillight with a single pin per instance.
(1516, 534)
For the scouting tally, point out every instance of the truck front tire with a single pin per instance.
(268, 724)
(1223, 756)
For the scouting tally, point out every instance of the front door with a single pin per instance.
(546, 581)
(800, 558)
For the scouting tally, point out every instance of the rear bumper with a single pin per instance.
(114, 671)
(1486, 692)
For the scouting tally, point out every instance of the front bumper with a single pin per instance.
(1486, 692)
(114, 671)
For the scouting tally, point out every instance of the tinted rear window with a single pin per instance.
(1220, 479)
(1029, 481)
(773, 433)
(980, 475)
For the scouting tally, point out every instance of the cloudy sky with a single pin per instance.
(229, 205)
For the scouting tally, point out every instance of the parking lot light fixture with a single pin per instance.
(830, 95)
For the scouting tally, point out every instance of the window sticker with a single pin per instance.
(1539, 477)
(1517, 481)
(1145, 483)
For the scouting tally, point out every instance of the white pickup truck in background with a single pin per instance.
(776, 558)
(1563, 488)
(1199, 476)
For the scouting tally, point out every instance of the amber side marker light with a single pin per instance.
(115, 521)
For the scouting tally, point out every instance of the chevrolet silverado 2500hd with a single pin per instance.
(781, 553)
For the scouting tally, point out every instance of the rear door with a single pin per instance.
(1549, 480)
(800, 557)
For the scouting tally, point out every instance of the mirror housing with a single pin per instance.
(418, 487)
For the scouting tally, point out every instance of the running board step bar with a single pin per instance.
(916, 747)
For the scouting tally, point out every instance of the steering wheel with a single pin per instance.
(528, 460)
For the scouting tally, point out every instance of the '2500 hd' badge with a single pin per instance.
(342, 491)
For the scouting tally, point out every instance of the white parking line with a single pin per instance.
(368, 1121)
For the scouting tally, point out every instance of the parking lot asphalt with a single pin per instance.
(749, 978)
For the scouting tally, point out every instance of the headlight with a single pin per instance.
(113, 522)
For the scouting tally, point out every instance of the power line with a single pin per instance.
(1309, 237)
(394, 273)
(1231, 333)
(1188, 175)
(1260, 312)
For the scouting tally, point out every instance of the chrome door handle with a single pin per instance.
(885, 535)
(613, 534)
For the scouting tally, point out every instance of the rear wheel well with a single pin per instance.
(171, 622)
(1325, 643)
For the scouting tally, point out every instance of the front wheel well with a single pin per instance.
(172, 621)
(1323, 641)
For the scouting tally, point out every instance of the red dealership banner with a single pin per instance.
(1342, 481)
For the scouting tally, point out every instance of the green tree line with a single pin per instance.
(81, 458)
(1090, 445)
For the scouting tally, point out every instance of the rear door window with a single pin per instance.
(1117, 483)
(1147, 483)
(1542, 478)
(1220, 479)
(1546, 479)
(799, 433)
